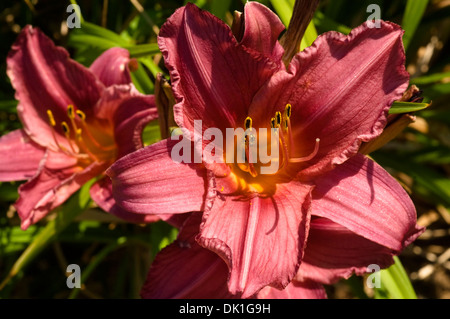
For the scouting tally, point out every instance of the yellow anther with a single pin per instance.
(272, 122)
(248, 122)
(65, 128)
(288, 110)
(70, 111)
(81, 114)
(278, 118)
(51, 119)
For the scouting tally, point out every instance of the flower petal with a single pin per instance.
(185, 270)
(148, 181)
(262, 29)
(213, 77)
(334, 252)
(20, 156)
(130, 119)
(101, 193)
(295, 290)
(262, 239)
(58, 177)
(112, 67)
(361, 196)
(340, 90)
(45, 78)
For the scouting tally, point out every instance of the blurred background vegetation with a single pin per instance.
(114, 256)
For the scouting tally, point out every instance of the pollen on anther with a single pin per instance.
(278, 118)
(81, 114)
(51, 119)
(288, 110)
(70, 111)
(248, 122)
(272, 122)
(65, 128)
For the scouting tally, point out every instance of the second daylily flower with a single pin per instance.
(77, 122)
(328, 211)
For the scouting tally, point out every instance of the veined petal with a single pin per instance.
(340, 90)
(261, 239)
(56, 180)
(112, 67)
(333, 252)
(45, 78)
(295, 290)
(148, 181)
(185, 270)
(361, 196)
(101, 194)
(213, 77)
(262, 29)
(20, 156)
(131, 116)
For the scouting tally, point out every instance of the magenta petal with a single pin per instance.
(148, 181)
(254, 236)
(20, 156)
(262, 29)
(132, 115)
(213, 78)
(56, 180)
(361, 196)
(185, 270)
(45, 78)
(101, 194)
(295, 290)
(112, 67)
(340, 90)
(334, 252)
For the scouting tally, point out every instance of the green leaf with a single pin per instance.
(432, 78)
(74, 206)
(423, 175)
(284, 10)
(95, 261)
(407, 107)
(395, 283)
(324, 23)
(309, 37)
(140, 50)
(142, 81)
(151, 133)
(411, 19)
(220, 7)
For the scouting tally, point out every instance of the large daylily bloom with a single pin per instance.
(76, 122)
(327, 212)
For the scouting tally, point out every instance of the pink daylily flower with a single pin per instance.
(77, 122)
(327, 212)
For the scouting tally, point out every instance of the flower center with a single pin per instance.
(83, 143)
(281, 137)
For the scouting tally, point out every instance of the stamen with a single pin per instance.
(70, 111)
(278, 118)
(248, 122)
(51, 119)
(272, 122)
(66, 130)
(309, 157)
(288, 110)
(81, 115)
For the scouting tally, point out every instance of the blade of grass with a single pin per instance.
(407, 107)
(411, 19)
(395, 282)
(75, 206)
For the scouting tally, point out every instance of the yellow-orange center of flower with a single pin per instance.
(86, 142)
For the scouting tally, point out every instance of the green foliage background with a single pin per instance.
(114, 256)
